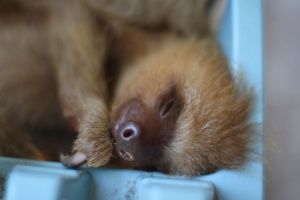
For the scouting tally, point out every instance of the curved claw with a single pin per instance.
(77, 160)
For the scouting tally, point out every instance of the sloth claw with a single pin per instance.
(77, 160)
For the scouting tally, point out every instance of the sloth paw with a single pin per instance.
(94, 145)
(77, 160)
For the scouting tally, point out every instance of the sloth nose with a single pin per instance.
(128, 139)
(130, 131)
(131, 143)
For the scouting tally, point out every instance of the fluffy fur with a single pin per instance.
(52, 69)
(188, 17)
(71, 73)
(212, 130)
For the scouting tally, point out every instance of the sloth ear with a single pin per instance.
(169, 102)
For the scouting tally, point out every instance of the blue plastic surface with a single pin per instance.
(149, 188)
(31, 182)
(241, 38)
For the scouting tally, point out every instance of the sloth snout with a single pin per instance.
(131, 144)
(130, 131)
(142, 132)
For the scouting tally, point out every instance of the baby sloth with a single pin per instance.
(179, 110)
(68, 75)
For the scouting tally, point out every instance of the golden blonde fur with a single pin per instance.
(74, 75)
(212, 130)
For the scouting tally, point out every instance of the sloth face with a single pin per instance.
(181, 112)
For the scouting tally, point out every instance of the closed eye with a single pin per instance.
(166, 108)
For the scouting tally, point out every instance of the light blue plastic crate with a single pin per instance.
(241, 36)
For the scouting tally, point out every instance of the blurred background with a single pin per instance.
(282, 87)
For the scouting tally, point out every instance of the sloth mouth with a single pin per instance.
(126, 155)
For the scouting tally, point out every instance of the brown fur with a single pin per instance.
(52, 67)
(212, 130)
(69, 70)
(188, 17)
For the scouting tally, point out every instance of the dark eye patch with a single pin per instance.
(170, 102)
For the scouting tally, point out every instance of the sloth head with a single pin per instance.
(180, 111)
